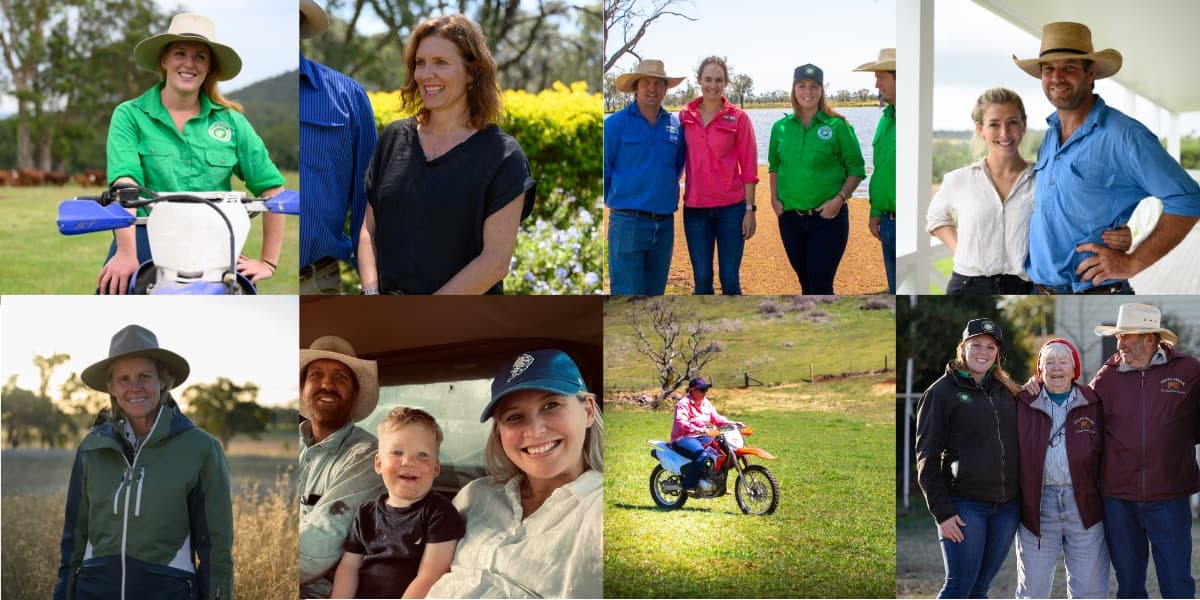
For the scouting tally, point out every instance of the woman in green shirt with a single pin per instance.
(815, 163)
(182, 135)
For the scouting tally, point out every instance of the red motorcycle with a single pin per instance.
(756, 490)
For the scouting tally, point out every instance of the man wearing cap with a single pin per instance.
(694, 415)
(148, 506)
(882, 222)
(644, 155)
(1149, 395)
(337, 458)
(1094, 167)
(337, 137)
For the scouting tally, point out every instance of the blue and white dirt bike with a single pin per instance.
(755, 489)
(195, 237)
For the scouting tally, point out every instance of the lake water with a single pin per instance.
(862, 118)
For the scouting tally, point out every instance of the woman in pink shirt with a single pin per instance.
(721, 173)
(693, 416)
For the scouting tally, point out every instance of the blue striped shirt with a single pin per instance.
(337, 137)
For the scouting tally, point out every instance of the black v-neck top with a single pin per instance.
(429, 214)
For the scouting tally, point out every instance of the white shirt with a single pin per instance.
(555, 553)
(993, 236)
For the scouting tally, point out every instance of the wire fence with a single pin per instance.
(766, 376)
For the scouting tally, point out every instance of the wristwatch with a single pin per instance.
(751, 207)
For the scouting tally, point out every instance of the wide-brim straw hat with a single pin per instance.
(313, 20)
(134, 341)
(647, 68)
(1138, 318)
(885, 62)
(1064, 40)
(365, 371)
(189, 27)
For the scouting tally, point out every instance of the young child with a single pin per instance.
(403, 541)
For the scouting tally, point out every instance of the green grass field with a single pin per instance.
(832, 535)
(772, 350)
(266, 521)
(36, 259)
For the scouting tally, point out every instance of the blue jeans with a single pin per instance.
(972, 563)
(723, 225)
(1086, 556)
(814, 247)
(639, 253)
(693, 448)
(1168, 527)
(887, 237)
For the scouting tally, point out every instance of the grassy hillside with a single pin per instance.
(272, 107)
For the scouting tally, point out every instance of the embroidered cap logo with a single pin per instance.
(519, 366)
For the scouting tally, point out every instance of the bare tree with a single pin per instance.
(678, 351)
(626, 22)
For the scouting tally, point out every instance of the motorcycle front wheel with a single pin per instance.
(757, 491)
(666, 488)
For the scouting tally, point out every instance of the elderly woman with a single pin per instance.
(184, 136)
(148, 507)
(694, 415)
(967, 461)
(1060, 444)
(446, 189)
(534, 525)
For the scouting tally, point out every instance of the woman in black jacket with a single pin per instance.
(967, 461)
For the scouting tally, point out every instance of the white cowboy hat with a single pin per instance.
(188, 27)
(647, 68)
(366, 372)
(134, 341)
(1064, 40)
(885, 62)
(313, 20)
(1138, 318)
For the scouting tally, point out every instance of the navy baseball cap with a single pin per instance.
(809, 71)
(699, 383)
(983, 327)
(548, 370)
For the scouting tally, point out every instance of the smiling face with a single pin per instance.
(1002, 128)
(408, 462)
(328, 392)
(807, 93)
(649, 93)
(1136, 349)
(542, 433)
(185, 66)
(441, 75)
(1066, 83)
(1057, 367)
(712, 82)
(979, 354)
(135, 383)
(885, 82)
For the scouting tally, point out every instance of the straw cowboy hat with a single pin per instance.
(885, 62)
(188, 27)
(134, 341)
(313, 20)
(647, 68)
(1138, 318)
(1064, 40)
(366, 372)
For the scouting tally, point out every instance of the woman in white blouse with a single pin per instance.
(534, 524)
(982, 211)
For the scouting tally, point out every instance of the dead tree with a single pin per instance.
(678, 350)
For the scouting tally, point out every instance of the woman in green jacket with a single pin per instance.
(149, 512)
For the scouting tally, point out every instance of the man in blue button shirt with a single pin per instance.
(337, 137)
(1094, 167)
(644, 155)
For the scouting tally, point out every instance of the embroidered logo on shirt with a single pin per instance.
(220, 132)
(1173, 385)
(1086, 425)
(964, 397)
(519, 366)
(825, 132)
(729, 118)
(673, 134)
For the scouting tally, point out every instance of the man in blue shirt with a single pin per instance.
(1094, 167)
(337, 137)
(644, 154)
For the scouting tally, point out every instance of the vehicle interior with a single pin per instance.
(441, 353)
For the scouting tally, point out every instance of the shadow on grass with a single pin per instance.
(660, 510)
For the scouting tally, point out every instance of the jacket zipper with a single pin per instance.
(137, 509)
(125, 519)
(999, 438)
(1143, 457)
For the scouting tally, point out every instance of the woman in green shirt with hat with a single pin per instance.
(182, 135)
(815, 163)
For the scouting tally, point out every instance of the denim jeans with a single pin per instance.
(887, 237)
(639, 253)
(1062, 529)
(143, 248)
(995, 284)
(1125, 290)
(1167, 526)
(693, 448)
(723, 225)
(988, 536)
(814, 247)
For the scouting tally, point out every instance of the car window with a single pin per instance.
(456, 406)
